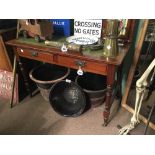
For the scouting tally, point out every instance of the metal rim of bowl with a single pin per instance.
(91, 91)
(48, 82)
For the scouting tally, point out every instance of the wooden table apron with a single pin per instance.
(71, 59)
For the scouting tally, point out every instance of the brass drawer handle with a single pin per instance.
(80, 63)
(35, 54)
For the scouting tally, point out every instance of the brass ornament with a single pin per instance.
(110, 43)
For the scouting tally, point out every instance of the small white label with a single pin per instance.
(22, 50)
(68, 81)
(80, 72)
(64, 48)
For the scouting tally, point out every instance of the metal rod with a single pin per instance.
(149, 118)
(14, 79)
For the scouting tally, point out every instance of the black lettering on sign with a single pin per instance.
(90, 31)
(84, 31)
(88, 27)
(77, 30)
(97, 32)
(93, 32)
(76, 23)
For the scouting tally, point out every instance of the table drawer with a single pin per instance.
(89, 66)
(35, 55)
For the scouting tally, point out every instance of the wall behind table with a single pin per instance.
(129, 57)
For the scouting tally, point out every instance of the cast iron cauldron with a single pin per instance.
(46, 75)
(67, 98)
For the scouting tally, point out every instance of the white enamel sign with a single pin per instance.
(88, 27)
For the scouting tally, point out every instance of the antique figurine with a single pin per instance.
(39, 29)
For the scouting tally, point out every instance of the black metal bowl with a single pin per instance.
(67, 99)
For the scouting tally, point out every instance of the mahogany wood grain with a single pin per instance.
(84, 55)
(89, 66)
(110, 81)
(94, 62)
(35, 55)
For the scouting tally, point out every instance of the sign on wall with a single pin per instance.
(6, 80)
(88, 27)
(62, 26)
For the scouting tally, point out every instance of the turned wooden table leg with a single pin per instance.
(108, 103)
(25, 77)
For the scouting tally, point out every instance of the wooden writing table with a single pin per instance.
(90, 61)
